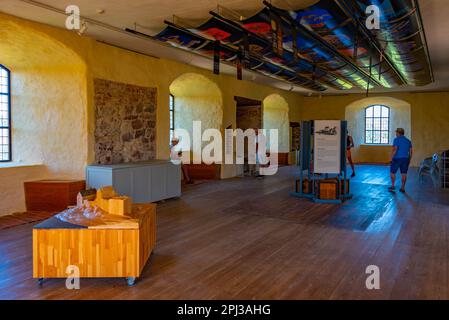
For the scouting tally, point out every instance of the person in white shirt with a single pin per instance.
(175, 157)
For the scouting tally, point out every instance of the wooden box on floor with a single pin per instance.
(52, 195)
(203, 171)
(444, 171)
(306, 186)
(328, 189)
(342, 187)
(98, 253)
(331, 189)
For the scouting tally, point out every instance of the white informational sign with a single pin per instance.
(327, 146)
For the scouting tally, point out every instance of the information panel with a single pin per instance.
(327, 150)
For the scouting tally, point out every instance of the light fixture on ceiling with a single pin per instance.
(101, 11)
(83, 28)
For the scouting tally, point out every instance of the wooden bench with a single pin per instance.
(52, 195)
(203, 171)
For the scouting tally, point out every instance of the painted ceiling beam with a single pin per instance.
(322, 42)
(347, 9)
(240, 28)
(307, 83)
(424, 38)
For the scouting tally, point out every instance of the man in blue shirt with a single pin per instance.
(400, 158)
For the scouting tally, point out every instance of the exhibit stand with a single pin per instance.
(322, 162)
(445, 169)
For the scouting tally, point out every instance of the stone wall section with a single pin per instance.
(125, 122)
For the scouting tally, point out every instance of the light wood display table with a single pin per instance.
(99, 251)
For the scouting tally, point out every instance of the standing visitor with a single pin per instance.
(400, 158)
(175, 157)
(349, 146)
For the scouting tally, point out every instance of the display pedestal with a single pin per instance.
(323, 190)
(322, 162)
(99, 251)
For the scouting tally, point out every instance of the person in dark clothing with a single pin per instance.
(400, 158)
(349, 146)
(175, 157)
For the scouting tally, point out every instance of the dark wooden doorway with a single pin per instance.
(248, 114)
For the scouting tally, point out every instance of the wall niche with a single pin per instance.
(125, 122)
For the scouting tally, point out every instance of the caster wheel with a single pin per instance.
(131, 281)
(40, 281)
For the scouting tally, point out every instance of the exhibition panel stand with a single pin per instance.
(321, 160)
(445, 169)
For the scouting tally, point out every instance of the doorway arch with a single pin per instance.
(276, 116)
(197, 98)
(400, 117)
(49, 100)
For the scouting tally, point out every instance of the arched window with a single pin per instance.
(172, 117)
(5, 114)
(377, 125)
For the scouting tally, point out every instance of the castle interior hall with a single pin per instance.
(224, 150)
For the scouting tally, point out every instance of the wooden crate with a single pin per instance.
(328, 189)
(331, 189)
(52, 195)
(203, 171)
(283, 159)
(444, 169)
(306, 186)
(98, 253)
(342, 186)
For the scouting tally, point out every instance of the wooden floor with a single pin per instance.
(20, 218)
(247, 239)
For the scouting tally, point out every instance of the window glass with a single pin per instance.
(377, 125)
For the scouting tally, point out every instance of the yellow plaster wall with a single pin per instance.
(400, 117)
(49, 121)
(275, 116)
(197, 99)
(11, 186)
(62, 104)
(59, 95)
(142, 70)
(429, 120)
(119, 65)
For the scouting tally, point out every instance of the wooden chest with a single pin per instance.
(444, 169)
(306, 186)
(52, 195)
(203, 171)
(328, 189)
(96, 251)
(331, 189)
(342, 187)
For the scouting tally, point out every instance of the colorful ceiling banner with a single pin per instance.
(329, 22)
(320, 47)
(402, 38)
(339, 74)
